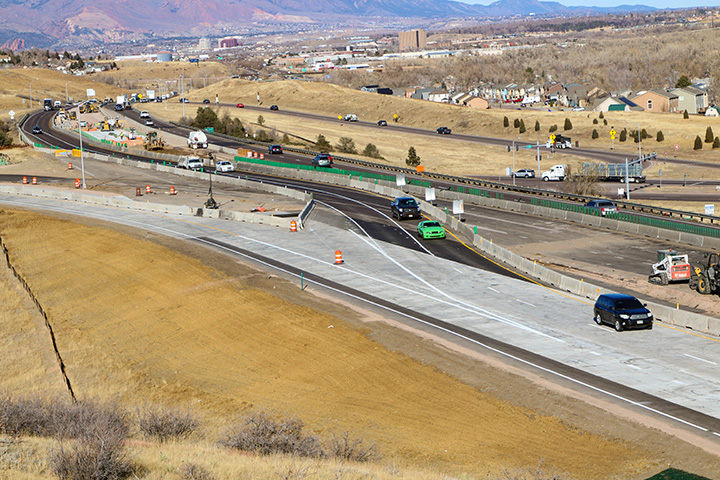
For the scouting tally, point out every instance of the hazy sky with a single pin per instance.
(613, 3)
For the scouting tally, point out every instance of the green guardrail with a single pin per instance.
(570, 207)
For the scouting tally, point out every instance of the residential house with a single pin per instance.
(422, 93)
(552, 92)
(692, 99)
(576, 95)
(477, 102)
(657, 101)
(460, 98)
(616, 104)
(440, 96)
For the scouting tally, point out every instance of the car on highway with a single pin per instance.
(430, 229)
(183, 100)
(350, 117)
(405, 207)
(149, 122)
(273, 107)
(224, 166)
(382, 123)
(624, 312)
(118, 107)
(240, 105)
(206, 100)
(144, 114)
(159, 100)
(444, 131)
(275, 149)
(191, 163)
(37, 130)
(603, 206)
(524, 173)
(322, 160)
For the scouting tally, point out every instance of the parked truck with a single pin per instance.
(197, 139)
(615, 171)
(558, 141)
(557, 173)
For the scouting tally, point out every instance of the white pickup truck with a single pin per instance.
(191, 163)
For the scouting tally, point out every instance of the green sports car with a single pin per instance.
(430, 229)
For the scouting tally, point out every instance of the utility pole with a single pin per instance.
(182, 89)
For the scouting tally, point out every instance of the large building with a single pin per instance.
(413, 40)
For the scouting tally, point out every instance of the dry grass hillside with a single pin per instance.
(137, 322)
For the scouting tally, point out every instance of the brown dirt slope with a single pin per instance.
(136, 322)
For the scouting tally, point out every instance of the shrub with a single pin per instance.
(553, 128)
(521, 128)
(623, 135)
(5, 136)
(506, 122)
(371, 151)
(261, 120)
(345, 448)
(537, 125)
(716, 143)
(644, 134)
(164, 424)
(91, 458)
(595, 134)
(264, 136)
(601, 115)
(595, 121)
(605, 121)
(709, 137)
(568, 124)
(265, 436)
(516, 123)
(346, 145)
(285, 139)
(192, 471)
(412, 159)
(698, 143)
(205, 117)
(685, 115)
(23, 416)
(660, 137)
(322, 144)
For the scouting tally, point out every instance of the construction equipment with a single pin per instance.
(106, 126)
(670, 267)
(153, 141)
(705, 277)
(72, 115)
(87, 107)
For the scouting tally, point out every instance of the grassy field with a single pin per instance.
(136, 321)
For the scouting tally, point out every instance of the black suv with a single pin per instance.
(624, 312)
(405, 207)
(273, 107)
(444, 131)
(382, 123)
(274, 149)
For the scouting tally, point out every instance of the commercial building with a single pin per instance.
(413, 40)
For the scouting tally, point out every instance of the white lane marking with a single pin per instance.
(458, 270)
(700, 359)
(437, 327)
(595, 353)
(490, 288)
(634, 366)
(523, 301)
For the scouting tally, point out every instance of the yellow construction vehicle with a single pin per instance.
(87, 108)
(106, 127)
(72, 115)
(153, 141)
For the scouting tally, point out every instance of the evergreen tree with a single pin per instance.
(506, 122)
(521, 128)
(709, 137)
(660, 137)
(568, 124)
(623, 135)
(595, 134)
(698, 143)
(595, 121)
(346, 145)
(683, 82)
(516, 123)
(685, 115)
(371, 151)
(537, 126)
(412, 159)
(601, 115)
(716, 143)
(322, 144)
(553, 128)
(205, 117)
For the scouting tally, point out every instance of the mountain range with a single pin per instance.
(52, 23)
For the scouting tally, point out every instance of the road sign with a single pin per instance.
(12, 114)
(612, 134)
(676, 147)
(528, 146)
(552, 136)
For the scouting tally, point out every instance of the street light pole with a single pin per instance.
(182, 90)
(82, 159)
(67, 97)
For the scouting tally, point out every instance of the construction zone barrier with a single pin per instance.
(262, 156)
(138, 192)
(34, 181)
(25, 181)
(147, 189)
(172, 191)
(338, 257)
(293, 226)
(69, 165)
(77, 183)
